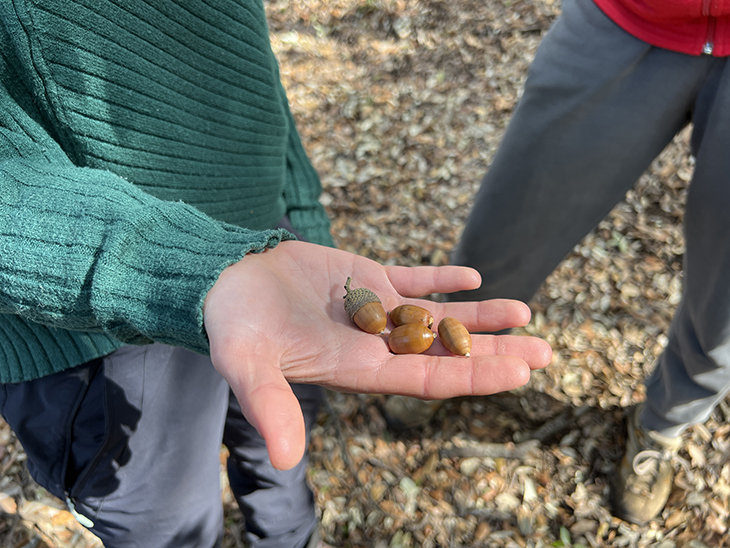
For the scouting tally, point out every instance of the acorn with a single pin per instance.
(364, 308)
(455, 336)
(410, 338)
(409, 313)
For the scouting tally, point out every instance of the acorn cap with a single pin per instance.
(355, 299)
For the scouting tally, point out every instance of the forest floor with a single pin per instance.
(401, 105)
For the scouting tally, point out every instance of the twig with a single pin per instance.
(562, 421)
(9, 539)
(336, 420)
(489, 514)
(492, 450)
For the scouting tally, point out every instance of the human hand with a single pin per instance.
(277, 317)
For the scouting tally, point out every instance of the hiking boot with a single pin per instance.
(402, 412)
(646, 473)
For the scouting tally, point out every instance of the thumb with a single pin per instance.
(268, 403)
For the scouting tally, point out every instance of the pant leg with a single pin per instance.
(693, 374)
(598, 107)
(278, 505)
(133, 443)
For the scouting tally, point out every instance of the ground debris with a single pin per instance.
(401, 105)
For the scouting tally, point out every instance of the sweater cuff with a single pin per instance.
(175, 275)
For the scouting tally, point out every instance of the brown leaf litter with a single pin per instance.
(401, 105)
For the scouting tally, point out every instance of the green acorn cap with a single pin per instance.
(355, 299)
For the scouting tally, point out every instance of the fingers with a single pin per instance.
(485, 316)
(497, 364)
(269, 404)
(535, 352)
(447, 377)
(424, 280)
(489, 316)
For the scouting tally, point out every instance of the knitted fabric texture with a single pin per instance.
(144, 147)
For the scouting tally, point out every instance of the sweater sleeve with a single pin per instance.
(84, 249)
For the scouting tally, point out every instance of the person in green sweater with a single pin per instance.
(154, 299)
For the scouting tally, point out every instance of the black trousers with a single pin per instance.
(132, 442)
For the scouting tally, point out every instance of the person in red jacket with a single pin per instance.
(693, 27)
(611, 85)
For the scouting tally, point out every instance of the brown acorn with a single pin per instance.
(364, 308)
(410, 338)
(455, 336)
(409, 313)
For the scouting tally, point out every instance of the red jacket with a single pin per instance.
(687, 26)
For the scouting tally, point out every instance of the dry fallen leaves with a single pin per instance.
(401, 105)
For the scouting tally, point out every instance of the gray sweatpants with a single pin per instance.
(132, 441)
(598, 107)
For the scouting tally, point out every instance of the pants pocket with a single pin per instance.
(88, 434)
(43, 413)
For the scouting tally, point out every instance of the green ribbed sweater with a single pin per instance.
(145, 145)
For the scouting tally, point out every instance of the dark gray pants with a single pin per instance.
(598, 107)
(133, 442)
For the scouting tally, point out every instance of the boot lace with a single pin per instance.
(647, 462)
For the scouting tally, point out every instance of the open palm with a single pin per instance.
(278, 317)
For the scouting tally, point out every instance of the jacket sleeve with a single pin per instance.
(84, 249)
(303, 189)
